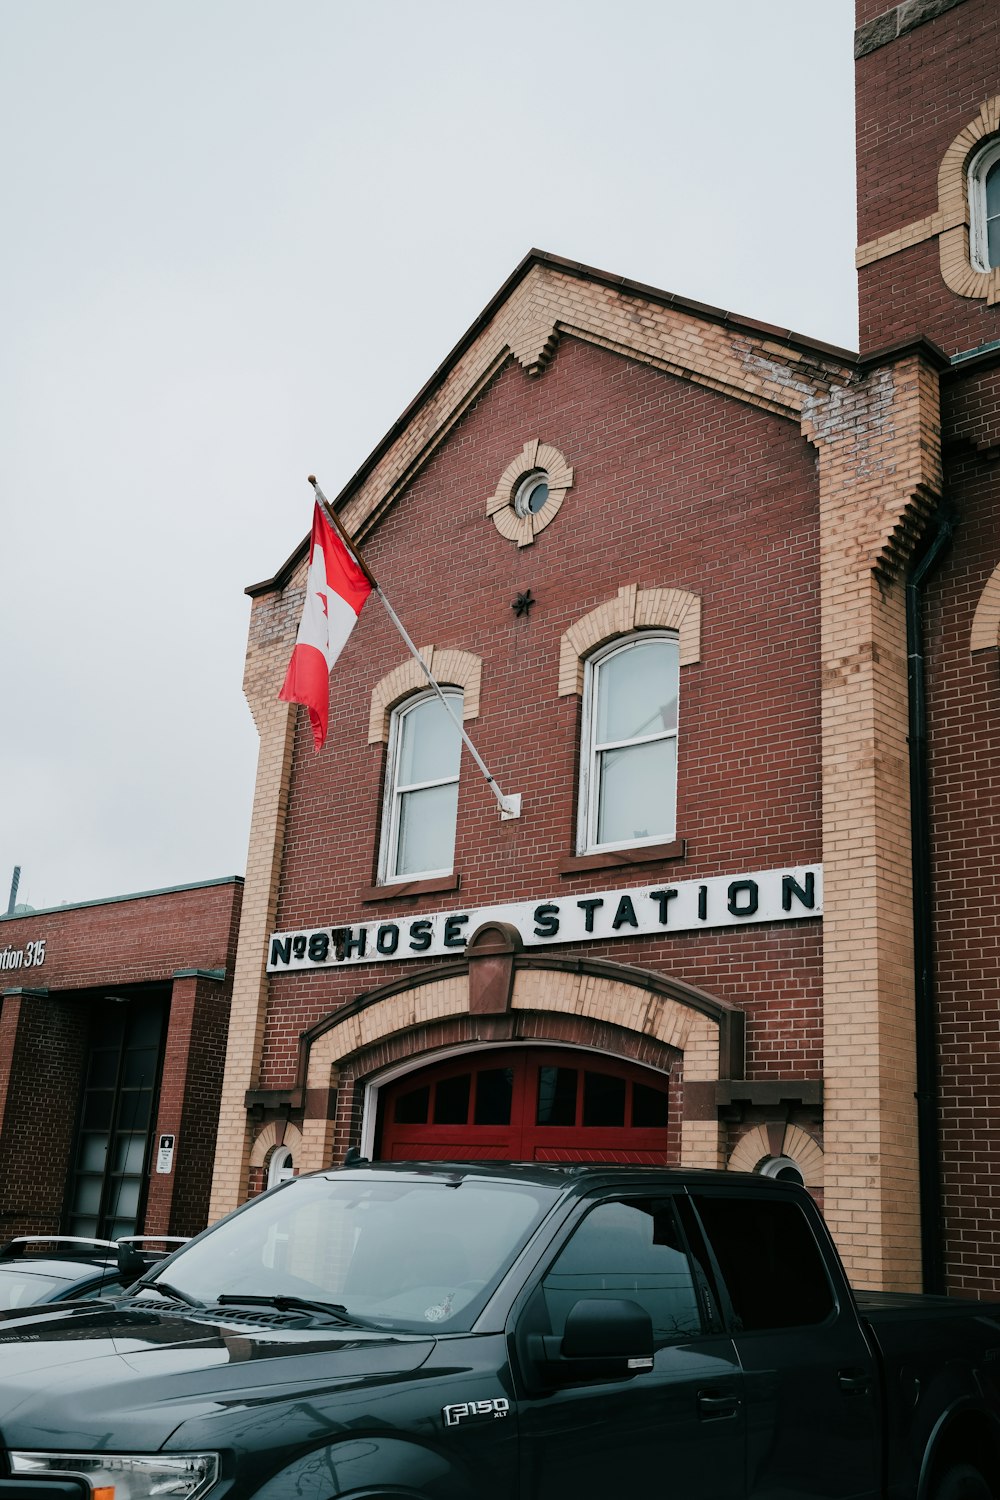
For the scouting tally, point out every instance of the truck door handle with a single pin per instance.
(712, 1406)
(854, 1380)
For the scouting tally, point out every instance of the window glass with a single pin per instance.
(427, 829)
(637, 691)
(770, 1261)
(636, 790)
(649, 1107)
(417, 1255)
(494, 1091)
(993, 216)
(628, 782)
(451, 1100)
(411, 1108)
(632, 1251)
(430, 744)
(556, 1096)
(603, 1099)
(421, 803)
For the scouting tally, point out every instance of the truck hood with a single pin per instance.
(124, 1379)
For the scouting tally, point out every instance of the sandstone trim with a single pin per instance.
(986, 621)
(621, 1002)
(451, 667)
(950, 224)
(523, 529)
(633, 609)
(803, 1148)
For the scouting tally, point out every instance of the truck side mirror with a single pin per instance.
(604, 1338)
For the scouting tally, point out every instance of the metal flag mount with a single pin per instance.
(510, 807)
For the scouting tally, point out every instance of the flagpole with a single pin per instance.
(510, 807)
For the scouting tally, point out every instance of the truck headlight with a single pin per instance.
(128, 1476)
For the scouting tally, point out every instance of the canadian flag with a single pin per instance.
(336, 589)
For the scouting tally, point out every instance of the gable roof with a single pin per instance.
(547, 296)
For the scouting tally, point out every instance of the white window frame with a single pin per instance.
(588, 812)
(393, 797)
(979, 170)
(281, 1167)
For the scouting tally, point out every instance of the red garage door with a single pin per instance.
(526, 1105)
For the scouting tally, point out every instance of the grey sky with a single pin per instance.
(238, 237)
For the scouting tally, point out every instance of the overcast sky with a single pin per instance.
(237, 239)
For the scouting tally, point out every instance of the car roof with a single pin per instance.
(63, 1269)
(570, 1178)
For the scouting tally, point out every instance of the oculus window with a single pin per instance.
(421, 802)
(628, 762)
(984, 208)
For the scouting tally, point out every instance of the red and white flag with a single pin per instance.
(336, 589)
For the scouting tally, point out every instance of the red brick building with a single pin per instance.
(928, 97)
(721, 605)
(112, 1040)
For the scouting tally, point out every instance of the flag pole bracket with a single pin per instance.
(510, 807)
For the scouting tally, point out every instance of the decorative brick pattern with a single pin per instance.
(500, 505)
(634, 608)
(880, 471)
(785, 1140)
(451, 667)
(986, 621)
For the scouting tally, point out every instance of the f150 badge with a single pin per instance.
(463, 1410)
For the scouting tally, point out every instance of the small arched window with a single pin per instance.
(421, 789)
(628, 759)
(984, 208)
(281, 1167)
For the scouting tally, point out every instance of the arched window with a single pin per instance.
(281, 1167)
(984, 208)
(421, 789)
(628, 759)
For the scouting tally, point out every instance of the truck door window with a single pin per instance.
(770, 1261)
(633, 1251)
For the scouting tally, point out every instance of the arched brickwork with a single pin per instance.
(759, 1143)
(631, 1013)
(633, 609)
(451, 667)
(986, 621)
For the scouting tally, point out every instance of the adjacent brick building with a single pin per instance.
(759, 928)
(112, 1040)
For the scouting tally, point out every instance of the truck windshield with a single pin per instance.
(395, 1252)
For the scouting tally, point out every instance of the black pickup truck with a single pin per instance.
(412, 1332)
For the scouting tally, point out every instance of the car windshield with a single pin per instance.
(395, 1252)
(19, 1288)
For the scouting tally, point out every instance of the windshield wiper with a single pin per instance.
(285, 1302)
(165, 1289)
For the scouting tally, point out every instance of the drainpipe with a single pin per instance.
(928, 1133)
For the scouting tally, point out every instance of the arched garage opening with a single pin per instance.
(630, 1025)
(526, 1104)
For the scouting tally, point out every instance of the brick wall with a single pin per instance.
(674, 485)
(964, 744)
(914, 95)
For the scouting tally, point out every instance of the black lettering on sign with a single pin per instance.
(354, 944)
(738, 888)
(420, 936)
(662, 898)
(453, 935)
(546, 919)
(387, 938)
(588, 908)
(625, 913)
(703, 903)
(281, 950)
(299, 945)
(806, 894)
(319, 947)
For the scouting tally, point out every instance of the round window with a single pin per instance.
(783, 1169)
(532, 493)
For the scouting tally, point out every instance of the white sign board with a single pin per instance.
(165, 1153)
(684, 906)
